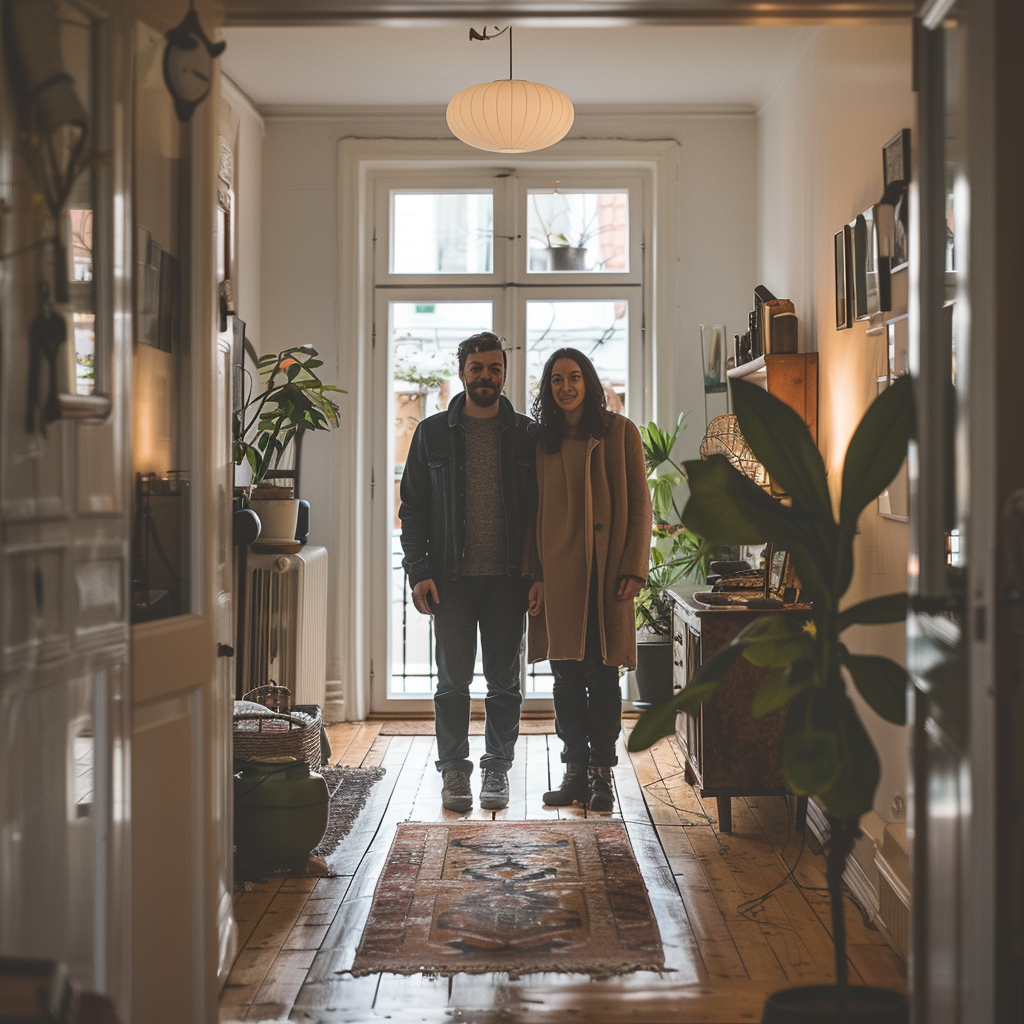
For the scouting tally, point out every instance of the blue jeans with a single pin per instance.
(497, 605)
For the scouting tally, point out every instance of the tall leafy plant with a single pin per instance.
(825, 750)
(293, 400)
(676, 552)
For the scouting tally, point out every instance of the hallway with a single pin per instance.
(725, 946)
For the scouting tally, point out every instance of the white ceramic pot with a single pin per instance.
(278, 519)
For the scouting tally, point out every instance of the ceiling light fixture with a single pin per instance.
(512, 116)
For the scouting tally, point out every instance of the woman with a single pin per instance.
(593, 545)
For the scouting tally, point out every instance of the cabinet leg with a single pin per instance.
(801, 813)
(724, 813)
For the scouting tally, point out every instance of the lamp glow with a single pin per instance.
(510, 116)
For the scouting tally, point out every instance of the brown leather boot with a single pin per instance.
(601, 796)
(574, 787)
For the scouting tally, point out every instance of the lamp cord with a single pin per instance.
(510, 53)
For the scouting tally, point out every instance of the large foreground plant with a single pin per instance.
(825, 751)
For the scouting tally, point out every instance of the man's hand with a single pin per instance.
(423, 595)
(537, 598)
(629, 587)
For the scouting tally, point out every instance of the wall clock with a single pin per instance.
(188, 64)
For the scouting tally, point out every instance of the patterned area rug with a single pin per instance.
(521, 897)
(349, 788)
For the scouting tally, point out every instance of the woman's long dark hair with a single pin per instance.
(548, 413)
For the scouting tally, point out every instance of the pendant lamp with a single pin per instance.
(509, 116)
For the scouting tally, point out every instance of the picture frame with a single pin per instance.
(896, 158)
(859, 239)
(880, 224)
(844, 281)
(778, 573)
(898, 338)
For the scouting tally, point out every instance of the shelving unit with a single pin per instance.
(789, 376)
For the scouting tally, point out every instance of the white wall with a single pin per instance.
(716, 245)
(820, 143)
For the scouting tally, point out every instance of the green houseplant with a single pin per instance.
(676, 554)
(825, 751)
(293, 400)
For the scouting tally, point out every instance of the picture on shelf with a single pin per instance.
(896, 158)
(899, 346)
(859, 241)
(844, 280)
(880, 257)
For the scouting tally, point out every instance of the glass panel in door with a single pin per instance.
(424, 375)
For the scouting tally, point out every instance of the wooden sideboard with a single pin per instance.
(728, 752)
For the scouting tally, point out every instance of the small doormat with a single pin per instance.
(521, 897)
(349, 788)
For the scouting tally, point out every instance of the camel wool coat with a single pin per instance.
(614, 531)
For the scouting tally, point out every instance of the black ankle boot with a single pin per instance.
(601, 797)
(574, 787)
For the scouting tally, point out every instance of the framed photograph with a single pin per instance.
(896, 158)
(844, 296)
(894, 501)
(778, 573)
(880, 225)
(899, 346)
(857, 267)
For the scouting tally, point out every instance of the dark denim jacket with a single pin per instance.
(433, 510)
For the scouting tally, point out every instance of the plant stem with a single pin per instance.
(840, 844)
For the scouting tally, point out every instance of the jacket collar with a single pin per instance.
(506, 413)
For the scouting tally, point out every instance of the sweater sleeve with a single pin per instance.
(637, 552)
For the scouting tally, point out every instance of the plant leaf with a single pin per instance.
(877, 450)
(779, 438)
(660, 721)
(775, 641)
(882, 683)
(853, 792)
(781, 687)
(809, 749)
(890, 608)
(661, 497)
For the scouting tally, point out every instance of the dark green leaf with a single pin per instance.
(781, 687)
(779, 438)
(877, 450)
(882, 683)
(891, 608)
(661, 497)
(809, 749)
(660, 721)
(853, 792)
(775, 641)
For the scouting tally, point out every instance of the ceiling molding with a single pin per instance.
(602, 13)
(584, 113)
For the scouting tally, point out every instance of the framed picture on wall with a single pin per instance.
(844, 296)
(896, 158)
(859, 242)
(899, 346)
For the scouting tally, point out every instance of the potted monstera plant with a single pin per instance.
(293, 400)
(825, 751)
(677, 554)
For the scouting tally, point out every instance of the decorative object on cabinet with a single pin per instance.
(824, 750)
(510, 116)
(844, 279)
(677, 554)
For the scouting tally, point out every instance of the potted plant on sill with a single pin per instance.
(567, 249)
(825, 751)
(676, 554)
(293, 401)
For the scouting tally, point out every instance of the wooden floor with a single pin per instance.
(734, 927)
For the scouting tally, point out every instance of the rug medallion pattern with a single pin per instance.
(519, 897)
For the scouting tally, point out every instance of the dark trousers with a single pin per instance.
(588, 702)
(497, 606)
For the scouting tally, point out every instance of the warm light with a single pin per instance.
(510, 116)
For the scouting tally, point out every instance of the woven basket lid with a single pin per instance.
(724, 437)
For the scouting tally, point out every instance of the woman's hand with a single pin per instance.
(537, 598)
(629, 587)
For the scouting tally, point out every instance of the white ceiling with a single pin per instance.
(377, 65)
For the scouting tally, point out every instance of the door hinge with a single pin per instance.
(373, 484)
(225, 651)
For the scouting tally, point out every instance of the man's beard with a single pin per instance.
(482, 394)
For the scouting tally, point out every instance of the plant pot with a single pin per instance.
(280, 811)
(278, 519)
(653, 672)
(567, 257)
(817, 1003)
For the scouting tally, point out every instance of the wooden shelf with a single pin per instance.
(791, 376)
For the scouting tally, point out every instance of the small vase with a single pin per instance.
(653, 672)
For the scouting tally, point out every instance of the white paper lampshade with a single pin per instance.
(510, 116)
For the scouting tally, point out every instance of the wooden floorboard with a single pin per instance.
(298, 936)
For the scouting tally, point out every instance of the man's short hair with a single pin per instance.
(485, 341)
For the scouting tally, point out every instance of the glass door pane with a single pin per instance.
(574, 230)
(423, 376)
(442, 232)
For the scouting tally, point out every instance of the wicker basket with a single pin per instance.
(300, 740)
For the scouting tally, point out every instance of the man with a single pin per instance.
(467, 497)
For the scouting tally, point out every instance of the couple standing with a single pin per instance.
(502, 515)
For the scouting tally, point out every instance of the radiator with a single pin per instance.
(286, 623)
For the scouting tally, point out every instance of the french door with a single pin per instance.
(464, 254)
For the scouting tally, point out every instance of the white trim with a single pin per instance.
(356, 159)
